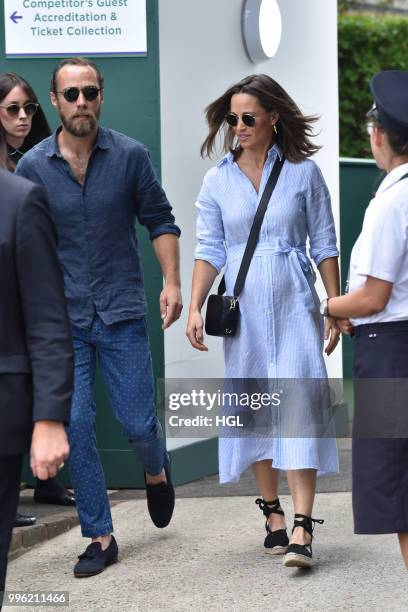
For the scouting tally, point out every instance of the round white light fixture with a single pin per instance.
(261, 28)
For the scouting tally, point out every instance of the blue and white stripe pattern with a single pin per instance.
(281, 331)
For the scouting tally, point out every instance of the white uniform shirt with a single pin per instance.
(382, 247)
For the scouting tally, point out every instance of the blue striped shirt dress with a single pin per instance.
(280, 333)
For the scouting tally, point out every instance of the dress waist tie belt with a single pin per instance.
(301, 263)
(280, 247)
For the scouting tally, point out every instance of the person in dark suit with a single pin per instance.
(36, 358)
(23, 125)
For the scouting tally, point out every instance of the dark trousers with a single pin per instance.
(380, 431)
(10, 469)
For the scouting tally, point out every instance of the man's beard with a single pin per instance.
(80, 128)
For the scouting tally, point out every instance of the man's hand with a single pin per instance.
(166, 248)
(171, 304)
(49, 448)
(345, 326)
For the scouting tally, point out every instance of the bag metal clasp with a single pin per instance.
(232, 304)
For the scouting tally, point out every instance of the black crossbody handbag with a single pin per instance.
(223, 310)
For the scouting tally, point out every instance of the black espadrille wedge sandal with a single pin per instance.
(300, 555)
(276, 542)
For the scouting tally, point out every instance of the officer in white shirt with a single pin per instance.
(376, 310)
(381, 249)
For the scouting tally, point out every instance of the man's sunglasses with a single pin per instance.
(71, 94)
(30, 108)
(247, 119)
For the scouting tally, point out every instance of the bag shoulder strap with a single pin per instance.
(255, 229)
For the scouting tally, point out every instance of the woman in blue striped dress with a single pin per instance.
(281, 332)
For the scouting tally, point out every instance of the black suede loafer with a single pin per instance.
(160, 501)
(22, 520)
(60, 498)
(94, 560)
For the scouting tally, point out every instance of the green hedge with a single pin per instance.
(367, 44)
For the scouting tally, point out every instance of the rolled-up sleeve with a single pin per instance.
(319, 217)
(210, 229)
(153, 209)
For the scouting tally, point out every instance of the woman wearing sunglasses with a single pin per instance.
(22, 120)
(377, 306)
(23, 125)
(280, 332)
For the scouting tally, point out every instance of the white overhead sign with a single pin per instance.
(53, 28)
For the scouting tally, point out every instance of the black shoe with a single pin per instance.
(94, 560)
(160, 501)
(301, 555)
(60, 498)
(276, 542)
(22, 520)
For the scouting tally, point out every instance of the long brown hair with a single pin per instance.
(294, 129)
(39, 126)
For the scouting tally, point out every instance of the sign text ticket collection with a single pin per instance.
(40, 28)
(74, 17)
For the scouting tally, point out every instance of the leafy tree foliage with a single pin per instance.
(367, 44)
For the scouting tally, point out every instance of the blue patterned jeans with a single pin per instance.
(124, 358)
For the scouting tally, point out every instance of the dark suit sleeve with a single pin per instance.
(47, 328)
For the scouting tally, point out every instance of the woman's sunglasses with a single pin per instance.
(30, 108)
(247, 119)
(71, 94)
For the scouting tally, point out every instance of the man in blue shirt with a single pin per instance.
(98, 183)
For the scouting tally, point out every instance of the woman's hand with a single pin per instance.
(203, 277)
(194, 330)
(331, 333)
(345, 326)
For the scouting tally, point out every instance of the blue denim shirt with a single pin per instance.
(97, 246)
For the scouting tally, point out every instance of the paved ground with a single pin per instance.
(211, 559)
(54, 520)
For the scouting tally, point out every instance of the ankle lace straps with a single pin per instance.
(307, 522)
(269, 507)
